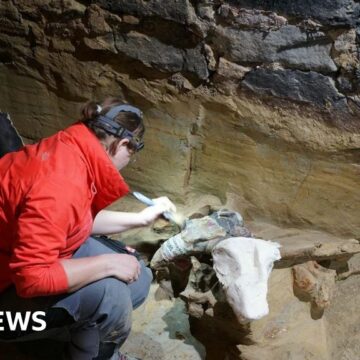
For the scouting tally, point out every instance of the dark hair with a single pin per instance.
(129, 120)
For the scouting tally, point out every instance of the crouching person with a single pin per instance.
(52, 264)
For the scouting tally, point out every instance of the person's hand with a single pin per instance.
(124, 267)
(151, 213)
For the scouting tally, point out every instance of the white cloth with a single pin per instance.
(243, 265)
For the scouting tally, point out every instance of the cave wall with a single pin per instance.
(255, 102)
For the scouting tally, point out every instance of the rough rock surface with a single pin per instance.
(288, 45)
(336, 13)
(259, 95)
(253, 105)
(296, 85)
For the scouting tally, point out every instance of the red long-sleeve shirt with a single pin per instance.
(50, 193)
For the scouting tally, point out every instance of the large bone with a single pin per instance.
(316, 282)
(341, 249)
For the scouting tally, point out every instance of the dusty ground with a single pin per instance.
(161, 332)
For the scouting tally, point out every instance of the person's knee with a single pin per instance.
(103, 298)
(106, 303)
(140, 290)
(147, 279)
(149, 274)
(117, 297)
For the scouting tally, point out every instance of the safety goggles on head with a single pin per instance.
(107, 123)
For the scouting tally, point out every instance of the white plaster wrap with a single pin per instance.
(243, 266)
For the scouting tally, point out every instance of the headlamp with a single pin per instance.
(107, 123)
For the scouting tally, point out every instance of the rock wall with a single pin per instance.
(253, 101)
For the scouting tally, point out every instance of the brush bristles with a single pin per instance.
(178, 219)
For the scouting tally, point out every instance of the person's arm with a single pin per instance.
(110, 222)
(43, 223)
(35, 265)
(81, 272)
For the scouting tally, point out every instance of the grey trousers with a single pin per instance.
(94, 320)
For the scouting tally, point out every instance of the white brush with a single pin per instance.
(176, 218)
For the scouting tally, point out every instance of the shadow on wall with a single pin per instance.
(10, 140)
